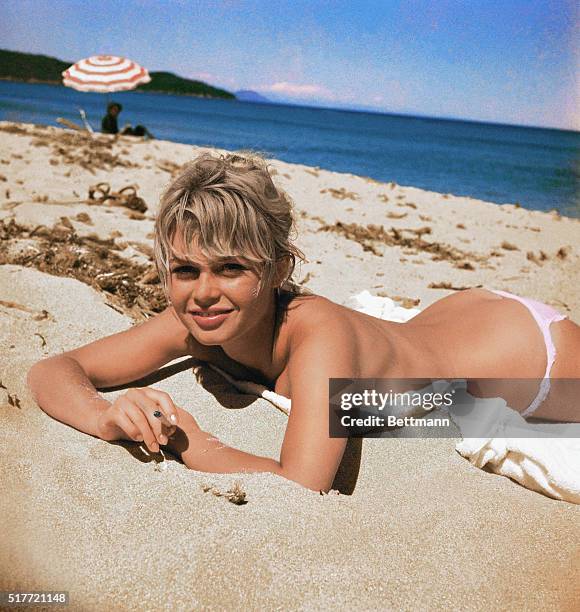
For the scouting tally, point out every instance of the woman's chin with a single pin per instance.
(210, 337)
(207, 338)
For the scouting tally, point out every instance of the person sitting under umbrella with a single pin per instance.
(109, 123)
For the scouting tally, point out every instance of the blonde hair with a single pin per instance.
(226, 206)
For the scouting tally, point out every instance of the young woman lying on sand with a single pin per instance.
(224, 255)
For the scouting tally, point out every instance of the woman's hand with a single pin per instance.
(132, 417)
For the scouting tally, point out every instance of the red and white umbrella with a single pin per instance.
(105, 74)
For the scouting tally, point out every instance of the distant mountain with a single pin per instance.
(28, 67)
(246, 95)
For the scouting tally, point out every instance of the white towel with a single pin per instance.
(381, 307)
(540, 462)
(540, 457)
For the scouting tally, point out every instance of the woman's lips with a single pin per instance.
(210, 321)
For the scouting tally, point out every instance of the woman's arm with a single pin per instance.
(202, 451)
(64, 386)
(62, 389)
(309, 455)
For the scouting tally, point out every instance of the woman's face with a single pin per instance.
(217, 301)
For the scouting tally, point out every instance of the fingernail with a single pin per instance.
(163, 439)
(155, 447)
(140, 438)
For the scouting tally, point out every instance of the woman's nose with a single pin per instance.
(206, 289)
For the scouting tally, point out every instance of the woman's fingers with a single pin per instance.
(127, 425)
(155, 406)
(141, 413)
(146, 415)
(166, 405)
(139, 421)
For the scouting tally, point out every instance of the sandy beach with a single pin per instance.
(410, 524)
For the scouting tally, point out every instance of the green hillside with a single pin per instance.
(17, 66)
(28, 67)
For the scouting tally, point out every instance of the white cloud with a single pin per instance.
(296, 90)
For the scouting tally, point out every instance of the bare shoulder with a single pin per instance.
(135, 352)
(320, 335)
(313, 313)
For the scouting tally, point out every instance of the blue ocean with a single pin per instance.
(537, 168)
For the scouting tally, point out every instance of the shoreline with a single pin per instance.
(442, 154)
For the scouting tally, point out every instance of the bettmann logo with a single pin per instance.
(391, 420)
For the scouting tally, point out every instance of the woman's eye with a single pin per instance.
(233, 267)
(184, 270)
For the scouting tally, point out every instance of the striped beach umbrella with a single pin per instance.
(105, 74)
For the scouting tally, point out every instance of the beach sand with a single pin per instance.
(117, 528)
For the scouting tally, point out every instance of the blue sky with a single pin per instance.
(505, 61)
